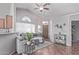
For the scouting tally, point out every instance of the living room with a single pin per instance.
(17, 20)
(38, 28)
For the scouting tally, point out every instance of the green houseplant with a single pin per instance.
(29, 37)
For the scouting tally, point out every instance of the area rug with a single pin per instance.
(45, 44)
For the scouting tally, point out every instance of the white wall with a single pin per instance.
(50, 30)
(13, 14)
(4, 9)
(67, 19)
(66, 29)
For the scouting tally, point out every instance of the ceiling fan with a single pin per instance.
(42, 7)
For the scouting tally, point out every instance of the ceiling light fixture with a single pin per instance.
(42, 7)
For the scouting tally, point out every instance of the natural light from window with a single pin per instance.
(25, 27)
(27, 19)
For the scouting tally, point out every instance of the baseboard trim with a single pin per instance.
(12, 52)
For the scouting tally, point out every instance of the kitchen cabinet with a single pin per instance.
(2, 23)
(8, 22)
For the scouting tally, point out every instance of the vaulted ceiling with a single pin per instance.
(55, 9)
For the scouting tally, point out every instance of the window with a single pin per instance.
(39, 29)
(27, 19)
(25, 27)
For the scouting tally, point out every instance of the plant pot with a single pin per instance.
(28, 42)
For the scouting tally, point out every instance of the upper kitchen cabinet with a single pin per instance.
(2, 23)
(8, 22)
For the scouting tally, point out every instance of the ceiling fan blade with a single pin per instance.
(46, 4)
(37, 5)
(35, 8)
(46, 8)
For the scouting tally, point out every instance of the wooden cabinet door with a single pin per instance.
(2, 23)
(8, 21)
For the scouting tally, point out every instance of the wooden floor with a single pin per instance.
(56, 49)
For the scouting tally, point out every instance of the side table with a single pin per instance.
(29, 48)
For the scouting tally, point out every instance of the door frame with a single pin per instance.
(71, 29)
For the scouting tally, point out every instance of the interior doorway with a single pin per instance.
(75, 32)
(45, 30)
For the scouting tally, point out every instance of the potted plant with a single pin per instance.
(29, 37)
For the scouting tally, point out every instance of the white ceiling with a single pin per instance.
(56, 9)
